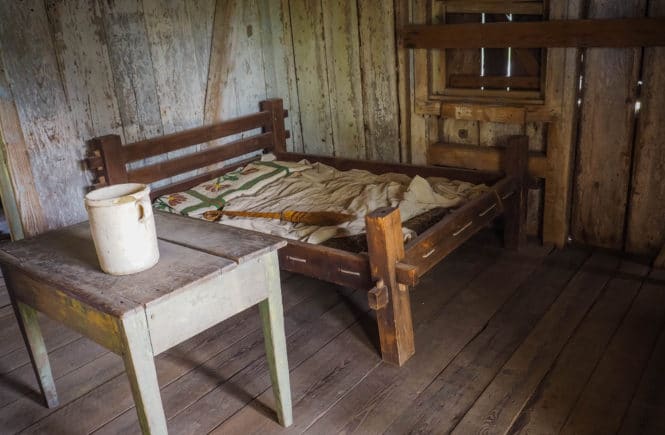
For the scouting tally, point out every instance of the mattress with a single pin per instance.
(274, 186)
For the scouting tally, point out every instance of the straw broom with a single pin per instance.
(318, 218)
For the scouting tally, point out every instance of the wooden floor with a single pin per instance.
(539, 342)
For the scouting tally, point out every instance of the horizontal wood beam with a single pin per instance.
(494, 7)
(475, 81)
(190, 162)
(481, 112)
(486, 112)
(172, 142)
(480, 158)
(627, 32)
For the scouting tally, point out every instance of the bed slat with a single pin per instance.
(172, 142)
(169, 168)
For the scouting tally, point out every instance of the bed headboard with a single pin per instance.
(110, 157)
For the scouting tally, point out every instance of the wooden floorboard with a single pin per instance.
(442, 404)
(379, 399)
(646, 414)
(4, 296)
(558, 391)
(504, 397)
(56, 336)
(530, 342)
(605, 398)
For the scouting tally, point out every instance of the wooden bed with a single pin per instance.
(390, 267)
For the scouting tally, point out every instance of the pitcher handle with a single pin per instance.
(143, 213)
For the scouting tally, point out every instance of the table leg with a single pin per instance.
(140, 367)
(34, 341)
(272, 317)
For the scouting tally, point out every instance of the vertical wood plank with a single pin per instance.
(606, 134)
(177, 71)
(561, 81)
(313, 89)
(236, 80)
(341, 35)
(419, 88)
(404, 94)
(279, 64)
(272, 319)
(18, 188)
(50, 134)
(646, 214)
(131, 66)
(379, 79)
(516, 166)
(80, 42)
(201, 14)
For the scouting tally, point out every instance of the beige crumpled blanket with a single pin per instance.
(318, 187)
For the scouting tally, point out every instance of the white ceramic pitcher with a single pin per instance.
(123, 228)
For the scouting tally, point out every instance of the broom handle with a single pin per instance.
(256, 214)
(321, 218)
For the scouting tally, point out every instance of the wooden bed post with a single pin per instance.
(391, 300)
(276, 107)
(110, 149)
(516, 165)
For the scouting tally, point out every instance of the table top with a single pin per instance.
(190, 250)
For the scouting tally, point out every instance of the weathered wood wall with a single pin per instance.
(74, 69)
(619, 196)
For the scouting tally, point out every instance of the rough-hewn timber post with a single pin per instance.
(276, 108)
(516, 165)
(390, 300)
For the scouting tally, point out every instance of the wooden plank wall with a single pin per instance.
(646, 212)
(345, 63)
(605, 160)
(72, 70)
(619, 192)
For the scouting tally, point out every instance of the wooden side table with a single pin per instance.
(207, 273)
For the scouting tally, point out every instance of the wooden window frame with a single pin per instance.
(429, 101)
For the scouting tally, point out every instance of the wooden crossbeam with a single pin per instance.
(476, 81)
(480, 158)
(628, 32)
(494, 7)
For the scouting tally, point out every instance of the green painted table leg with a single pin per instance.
(34, 341)
(272, 317)
(140, 367)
